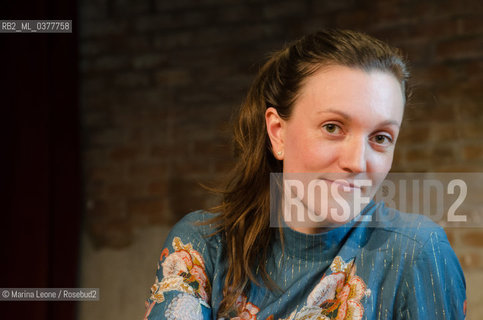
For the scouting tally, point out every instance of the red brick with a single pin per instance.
(91, 48)
(222, 166)
(418, 51)
(470, 260)
(132, 79)
(462, 7)
(124, 153)
(419, 167)
(173, 77)
(193, 167)
(432, 112)
(114, 234)
(435, 29)
(158, 187)
(441, 153)
(103, 172)
(469, 108)
(167, 6)
(473, 152)
(457, 167)
(441, 132)
(153, 120)
(471, 25)
(416, 134)
(178, 40)
(105, 210)
(168, 151)
(417, 154)
(461, 48)
(173, 20)
(105, 137)
(473, 238)
(103, 28)
(93, 11)
(398, 164)
(212, 149)
(147, 61)
(94, 84)
(185, 195)
(109, 63)
(429, 75)
(472, 130)
(239, 13)
(284, 9)
(352, 19)
(146, 206)
(125, 189)
(452, 234)
(127, 8)
(137, 135)
(147, 170)
(472, 87)
(324, 7)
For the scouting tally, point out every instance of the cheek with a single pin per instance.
(378, 168)
(380, 162)
(309, 155)
(295, 155)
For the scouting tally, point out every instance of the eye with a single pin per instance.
(382, 139)
(332, 128)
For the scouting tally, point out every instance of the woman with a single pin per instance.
(330, 105)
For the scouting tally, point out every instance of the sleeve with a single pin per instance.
(433, 284)
(182, 287)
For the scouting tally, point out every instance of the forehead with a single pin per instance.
(351, 90)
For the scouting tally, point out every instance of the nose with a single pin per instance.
(353, 156)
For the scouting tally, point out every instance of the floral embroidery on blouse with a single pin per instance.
(185, 307)
(149, 307)
(337, 296)
(183, 270)
(245, 310)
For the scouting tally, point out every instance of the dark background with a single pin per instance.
(40, 160)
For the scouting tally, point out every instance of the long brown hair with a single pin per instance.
(244, 213)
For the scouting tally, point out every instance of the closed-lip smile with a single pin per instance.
(342, 182)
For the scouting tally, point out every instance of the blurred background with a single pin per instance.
(109, 130)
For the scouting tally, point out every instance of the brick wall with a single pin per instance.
(159, 80)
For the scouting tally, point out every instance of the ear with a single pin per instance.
(275, 130)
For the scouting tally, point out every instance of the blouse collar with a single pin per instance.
(325, 244)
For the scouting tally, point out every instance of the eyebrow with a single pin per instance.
(348, 117)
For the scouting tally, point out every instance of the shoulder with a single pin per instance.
(186, 268)
(429, 281)
(191, 245)
(413, 237)
(414, 228)
(194, 230)
(195, 223)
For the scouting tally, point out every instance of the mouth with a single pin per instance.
(346, 185)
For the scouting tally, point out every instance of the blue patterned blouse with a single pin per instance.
(401, 268)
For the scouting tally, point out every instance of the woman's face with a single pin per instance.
(344, 125)
(345, 121)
